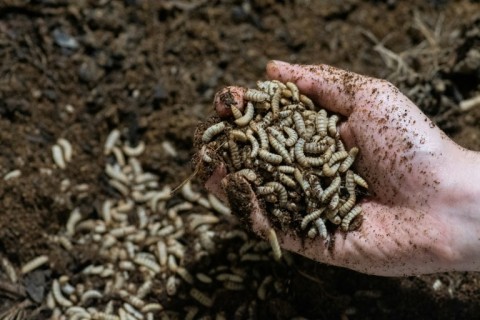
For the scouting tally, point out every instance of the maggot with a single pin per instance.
(321, 122)
(234, 154)
(134, 151)
(360, 181)
(262, 134)
(148, 263)
(256, 95)
(280, 149)
(67, 149)
(111, 141)
(247, 117)
(349, 217)
(73, 219)
(218, 206)
(330, 171)
(272, 238)
(292, 136)
(253, 142)
(332, 125)
(328, 192)
(270, 157)
(248, 174)
(236, 112)
(280, 191)
(322, 229)
(347, 163)
(34, 264)
(276, 104)
(307, 102)
(237, 135)
(212, 131)
(295, 92)
(286, 180)
(310, 217)
(277, 135)
(338, 156)
(58, 296)
(299, 123)
(58, 156)
(201, 297)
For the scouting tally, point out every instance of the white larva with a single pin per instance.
(237, 135)
(299, 155)
(248, 174)
(105, 316)
(212, 131)
(299, 123)
(294, 90)
(162, 253)
(197, 220)
(280, 149)
(115, 173)
(285, 113)
(315, 147)
(280, 191)
(119, 157)
(234, 154)
(218, 206)
(148, 263)
(171, 285)
(262, 288)
(347, 163)
(310, 217)
(276, 104)
(262, 134)
(152, 307)
(10, 270)
(90, 294)
(321, 122)
(277, 135)
(292, 136)
(122, 231)
(247, 117)
(347, 206)
(131, 299)
(131, 310)
(58, 156)
(334, 202)
(336, 220)
(264, 190)
(312, 232)
(286, 180)
(315, 185)
(360, 181)
(256, 95)
(236, 112)
(111, 141)
(188, 193)
(269, 157)
(185, 275)
(73, 219)
(34, 264)
(203, 278)
(67, 149)
(58, 296)
(134, 151)
(287, 122)
(121, 188)
(286, 169)
(201, 297)
(330, 171)
(12, 175)
(298, 175)
(332, 125)
(145, 289)
(328, 192)
(253, 142)
(322, 229)
(272, 238)
(349, 217)
(338, 156)
(307, 102)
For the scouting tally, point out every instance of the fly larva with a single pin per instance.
(197, 220)
(321, 122)
(266, 120)
(277, 135)
(347, 206)
(280, 149)
(218, 206)
(334, 202)
(299, 155)
(285, 113)
(256, 95)
(286, 180)
(264, 190)
(287, 122)
(131, 310)
(152, 307)
(349, 217)
(57, 294)
(247, 117)
(10, 270)
(328, 192)
(280, 191)
(262, 288)
(90, 294)
(34, 264)
(121, 188)
(203, 278)
(315, 186)
(336, 220)
(234, 154)
(188, 193)
(212, 131)
(105, 316)
(114, 172)
(262, 134)
(148, 263)
(111, 141)
(201, 297)
(346, 164)
(360, 181)
(237, 135)
(330, 171)
(332, 125)
(12, 175)
(315, 147)
(67, 149)
(134, 151)
(312, 232)
(236, 112)
(248, 174)
(338, 156)
(253, 142)
(185, 275)
(58, 156)
(271, 198)
(269, 157)
(233, 286)
(162, 253)
(292, 136)
(276, 104)
(307, 102)
(272, 238)
(294, 90)
(310, 217)
(298, 175)
(339, 144)
(122, 231)
(75, 217)
(299, 124)
(286, 169)
(229, 277)
(322, 229)
(286, 93)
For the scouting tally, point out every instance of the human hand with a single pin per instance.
(416, 220)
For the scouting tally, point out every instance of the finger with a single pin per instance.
(334, 89)
(241, 198)
(214, 182)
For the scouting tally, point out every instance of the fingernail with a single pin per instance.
(279, 63)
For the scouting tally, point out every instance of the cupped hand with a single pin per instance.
(408, 225)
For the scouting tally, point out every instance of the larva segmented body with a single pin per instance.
(238, 135)
(315, 147)
(330, 171)
(292, 136)
(276, 104)
(334, 202)
(299, 123)
(264, 190)
(254, 143)
(235, 154)
(360, 181)
(352, 154)
(285, 113)
(322, 228)
(201, 297)
(321, 122)
(248, 174)
(286, 169)
(336, 220)
(310, 217)
(272, 238)
(286, 180)
(280, 149)
(315, 186)
(349, 217)
(295, 92)
(58, 296)
(236, 112)
(347, 206)
(337, 156)
(262, 134)
(298, 175)
(212, 131)
(277, 135)
(328, 192)
(307, 102)
(269, 157)
(280, 191)
(332, 125)
(34, 264)
(247, 117)
(256, 95)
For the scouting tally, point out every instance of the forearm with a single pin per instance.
(462, 205)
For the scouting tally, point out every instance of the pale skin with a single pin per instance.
(424, 212)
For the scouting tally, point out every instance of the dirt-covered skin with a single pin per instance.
(153, 67)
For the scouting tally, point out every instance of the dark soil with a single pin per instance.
(79, 69)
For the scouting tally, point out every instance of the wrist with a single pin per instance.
(461, 206)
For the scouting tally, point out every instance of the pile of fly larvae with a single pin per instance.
(291, 152)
